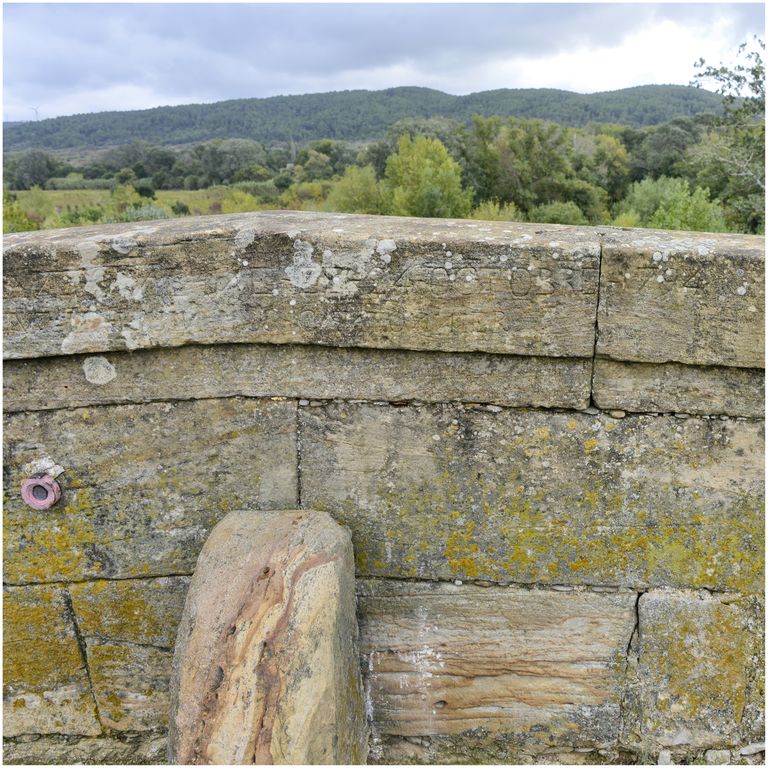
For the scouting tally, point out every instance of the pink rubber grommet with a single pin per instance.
(40, 492)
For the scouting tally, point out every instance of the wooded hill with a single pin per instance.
(354, 115)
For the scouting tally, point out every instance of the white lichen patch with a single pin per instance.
(127, 287)
(90, 333)
(98, 370)
(385, 248)
(244, 238)
(136, 333)
(89, 251)
(304, 272)
(122, 244)
(43, 466)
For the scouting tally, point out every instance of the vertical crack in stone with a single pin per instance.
(70, 611)
(629, 701)
(597, 318)
(636, 629)
(298, 455)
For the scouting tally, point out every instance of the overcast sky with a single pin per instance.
(68, 58)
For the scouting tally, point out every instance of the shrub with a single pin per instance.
(557, 213)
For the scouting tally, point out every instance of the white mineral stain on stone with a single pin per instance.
(90, 333)
(244, 238)
(98, 370)
(43, 466)
(135, 332)
(122, 244)
(127, 287)
(385, 247)
(741, 290)
(304, 272)
(89, 250)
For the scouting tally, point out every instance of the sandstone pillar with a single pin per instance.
(266, 667)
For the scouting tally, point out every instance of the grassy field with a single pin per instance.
(62, 208)
(199, 201)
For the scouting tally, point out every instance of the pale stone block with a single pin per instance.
(529, 669)
(687, 297)
(444, 492)
(673, 387)
(693, 664)
(266, 667)
(129, 627)
(142, 484)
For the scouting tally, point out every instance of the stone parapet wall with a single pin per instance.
(546, 441)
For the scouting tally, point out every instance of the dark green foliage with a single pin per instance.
(557, 213)
(731, 158)
(353, 115)
(32, 168)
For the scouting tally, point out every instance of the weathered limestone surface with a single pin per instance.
(125, 749)
(693, 667)
(135, 352)
(672, 387)
(684, 297)
(295, 371)
(143, 484)
(535, 669)
(541, 497)
(129, 629)
(45, 683)
(266, 666)
(332, 279)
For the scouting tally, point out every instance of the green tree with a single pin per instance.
(610, 166)
(667, 203)
(557, 213)
(423, 180)
(492, 210)
(734, 151)
(646, 196)
(32, 169)
(357, 191)
(690, 211)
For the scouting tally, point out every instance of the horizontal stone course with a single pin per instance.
(298, 372)
(123, 749)
(340, 280)
(443, 492)
(673, 387)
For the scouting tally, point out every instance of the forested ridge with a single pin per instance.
(354, 115)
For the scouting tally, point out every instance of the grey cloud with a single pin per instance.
(209, 52)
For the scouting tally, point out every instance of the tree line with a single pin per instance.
(705, 172)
